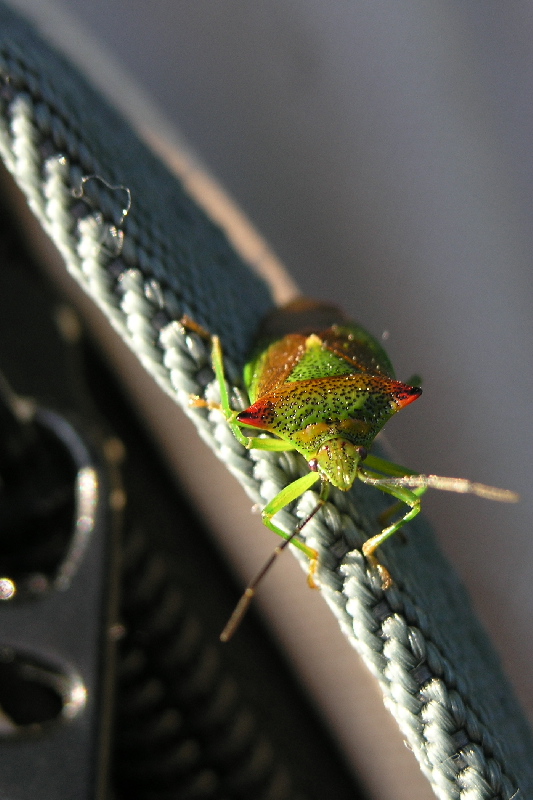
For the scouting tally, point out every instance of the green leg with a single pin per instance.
(217, 362)
(392, 470)
(286, 496)
(387, 467)
(229, 413)
(409, 497)
(396, 508)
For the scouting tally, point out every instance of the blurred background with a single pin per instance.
(384, 149)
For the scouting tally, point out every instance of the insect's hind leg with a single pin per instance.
(217, 362)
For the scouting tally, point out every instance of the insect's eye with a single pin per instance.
(313, 465)
(363, 452)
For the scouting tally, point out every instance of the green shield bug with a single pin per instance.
(323, 386)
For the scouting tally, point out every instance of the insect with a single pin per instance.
(323, 386)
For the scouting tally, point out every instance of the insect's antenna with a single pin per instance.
(242, 606)
(459, 485)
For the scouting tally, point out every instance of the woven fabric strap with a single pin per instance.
(146, 254)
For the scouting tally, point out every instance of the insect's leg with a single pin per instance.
(291, 492)
(411, 498)
(394, 470)
(396, 508)
(387, 467)
(217, 362)
(286, 496)
(190, 324)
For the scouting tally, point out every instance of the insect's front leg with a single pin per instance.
(411, 498)
(287, 495)
(282, 499)
(396, 508)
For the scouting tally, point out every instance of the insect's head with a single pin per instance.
(338, 461)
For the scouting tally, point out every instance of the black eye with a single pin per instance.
(313, 465)
(363, 452)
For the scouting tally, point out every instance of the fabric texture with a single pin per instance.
(147, 254)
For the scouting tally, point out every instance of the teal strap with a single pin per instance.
(147, 254)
